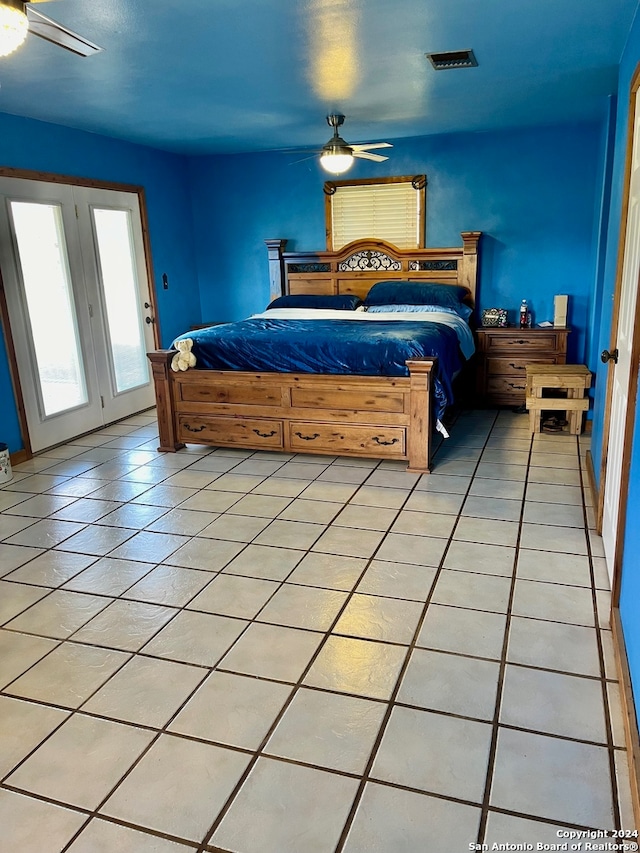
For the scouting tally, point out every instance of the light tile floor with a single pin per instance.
(262, 653)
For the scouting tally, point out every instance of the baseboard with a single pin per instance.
(19, 456)
(628, 712)
(593, 488)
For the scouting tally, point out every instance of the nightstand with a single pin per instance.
(503, 355)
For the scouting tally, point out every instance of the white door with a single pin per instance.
(118, 289)
(624, 343)
(75, 278)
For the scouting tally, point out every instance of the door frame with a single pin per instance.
(633, 373)
(632, 739)
(5, 324)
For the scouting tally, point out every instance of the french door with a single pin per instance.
(77, 289)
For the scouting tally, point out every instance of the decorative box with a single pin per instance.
(494, 317)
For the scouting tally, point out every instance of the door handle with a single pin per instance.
(146, 305)
(149, 320)
(607, 355)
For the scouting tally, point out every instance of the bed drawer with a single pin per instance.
(347, 399)
(230, 431)
(240, 394)
(342, 438)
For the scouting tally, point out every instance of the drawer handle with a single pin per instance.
(520, 341)
(386, 443)
(265, 434)
(307, 437)
(514, 385)
(516, 366)
(194, 429)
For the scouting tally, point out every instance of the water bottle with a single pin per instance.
(524, 315)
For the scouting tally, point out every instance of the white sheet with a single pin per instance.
(461, 328)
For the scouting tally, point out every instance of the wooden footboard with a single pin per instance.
(373, 416)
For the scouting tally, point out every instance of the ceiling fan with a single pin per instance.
(337, 155)
(17, 19)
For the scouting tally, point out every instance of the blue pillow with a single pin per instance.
(416, 293)
(344, 302)
(464, 311)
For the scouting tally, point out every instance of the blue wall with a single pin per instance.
(630, 588)
(533, 193)
(548, 201)
(28, 144)
(602, 215)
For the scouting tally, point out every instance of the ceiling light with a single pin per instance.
(336, 156)
(13, 26)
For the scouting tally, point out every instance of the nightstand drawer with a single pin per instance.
(506, 386)
(520, 341)
(514, 366)
(503, 355)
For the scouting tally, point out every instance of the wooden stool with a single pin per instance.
(572, 378)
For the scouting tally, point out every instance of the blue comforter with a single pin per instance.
(331, 346)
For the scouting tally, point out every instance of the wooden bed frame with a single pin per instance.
(373, 416)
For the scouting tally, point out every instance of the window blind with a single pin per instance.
(387, 211)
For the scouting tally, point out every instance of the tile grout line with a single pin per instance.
(163, 730)
(299, 684)
(603, 679)
(493, 745)
(297, 687)
(405, 664)
(186, 700)
(406, 498)
(158, 733)
(78, 710)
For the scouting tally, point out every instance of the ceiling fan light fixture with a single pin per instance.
(336, 159)
(13, 26)
(337, 164)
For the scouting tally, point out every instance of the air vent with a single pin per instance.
(452, 59)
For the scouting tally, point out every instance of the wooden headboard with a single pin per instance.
(358, 266)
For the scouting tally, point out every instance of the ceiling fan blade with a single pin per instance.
(300, 150)
(45, 28)
(304, 159)
(365, 146)
(364, 155)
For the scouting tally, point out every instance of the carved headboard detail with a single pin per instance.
(358, 266)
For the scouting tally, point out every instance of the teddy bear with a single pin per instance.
(184, 358)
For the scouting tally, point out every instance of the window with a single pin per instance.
(391, 209)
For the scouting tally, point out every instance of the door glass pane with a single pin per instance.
(116, 261)
(52, 317)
